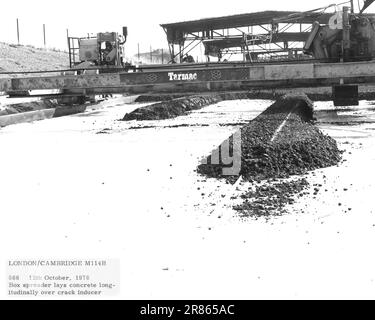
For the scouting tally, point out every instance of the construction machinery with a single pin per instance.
(348, 36)
(104, 52)
(341, 46)
(279, 35)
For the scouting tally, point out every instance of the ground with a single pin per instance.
(27, 58)
(90, 186)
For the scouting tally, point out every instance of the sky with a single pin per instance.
(142, 17)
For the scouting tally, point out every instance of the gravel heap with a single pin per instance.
(171, 109)
(268, 152)
(279, 143)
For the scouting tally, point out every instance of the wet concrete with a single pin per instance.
(321, 248)
(344, 116)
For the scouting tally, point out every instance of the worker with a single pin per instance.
(108, 49)
(219, 56)
(108, 46)
(188, 59)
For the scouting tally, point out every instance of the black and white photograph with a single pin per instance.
(187, 151)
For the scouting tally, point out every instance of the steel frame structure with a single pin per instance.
(182, 37)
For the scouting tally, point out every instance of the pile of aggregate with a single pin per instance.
(170, 107)
(279, 143)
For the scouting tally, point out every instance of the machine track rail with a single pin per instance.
(158, 67)
(186, 78)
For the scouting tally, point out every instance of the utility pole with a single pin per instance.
(150, 54)
(18, 32)
(44, 34)
(138, 54)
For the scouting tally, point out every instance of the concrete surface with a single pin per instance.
(89, 186)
